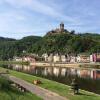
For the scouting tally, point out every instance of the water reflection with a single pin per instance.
(58, 71)
(89, 79)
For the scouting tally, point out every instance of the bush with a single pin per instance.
(4, 83)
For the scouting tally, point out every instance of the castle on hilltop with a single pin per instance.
(59, 30)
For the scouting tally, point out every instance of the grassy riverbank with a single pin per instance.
(8, 92)
(16, 95)
(59, 88)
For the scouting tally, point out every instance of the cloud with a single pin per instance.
(40, 16)
(11, 21)
(19, 3)
(12, 16)
(40, 7)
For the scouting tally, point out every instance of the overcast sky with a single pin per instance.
(19, 18)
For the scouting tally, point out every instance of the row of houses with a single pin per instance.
(24, 59)
(80, 58)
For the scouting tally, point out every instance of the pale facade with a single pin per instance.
(50, 58)
(91, 58)
(18, 59)
(72, 59)
(28, 59)
(56, 58)
(63, 58)
(45, 56)
(83, 59)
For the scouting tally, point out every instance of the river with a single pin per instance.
(88, 79)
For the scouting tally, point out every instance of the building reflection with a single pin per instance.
(58, 71)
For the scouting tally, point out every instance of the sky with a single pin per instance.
(20, 18)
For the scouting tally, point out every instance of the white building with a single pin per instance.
(72, 59)
(63, 58)
(18, 59)
(56, 58)
(45, 56)
(50, 58)
(28, 58)
(91, 58)
(83, 58)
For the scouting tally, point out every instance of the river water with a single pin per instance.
(88, 79)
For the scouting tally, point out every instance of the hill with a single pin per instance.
(68, 43)
(2, 39)
(11, 47)
(53, 43)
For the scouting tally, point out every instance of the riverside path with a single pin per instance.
(41, 92)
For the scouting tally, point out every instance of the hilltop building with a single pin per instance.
(59, 30)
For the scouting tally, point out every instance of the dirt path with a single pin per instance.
(43, 93)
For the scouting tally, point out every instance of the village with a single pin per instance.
(56, 58)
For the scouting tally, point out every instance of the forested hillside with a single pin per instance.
(55, 43)
(68, 43)
(12, 47)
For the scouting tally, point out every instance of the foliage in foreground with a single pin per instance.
(7, 92)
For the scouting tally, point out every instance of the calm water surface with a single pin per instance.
(88, 79)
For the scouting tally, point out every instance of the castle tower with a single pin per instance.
(62, 27)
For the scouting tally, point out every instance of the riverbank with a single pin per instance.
(16, 95)
(9, 92)
(13, 62)
(69, 65)
(41, 92)
(52, 64)
(56, 87)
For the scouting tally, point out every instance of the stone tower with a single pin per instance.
(62, 27)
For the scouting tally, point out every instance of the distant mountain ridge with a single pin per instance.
(7, 39)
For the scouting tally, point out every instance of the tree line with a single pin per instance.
(55, 43)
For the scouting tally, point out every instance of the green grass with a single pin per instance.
(8, 92)
(59, 88)
(16, 95)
